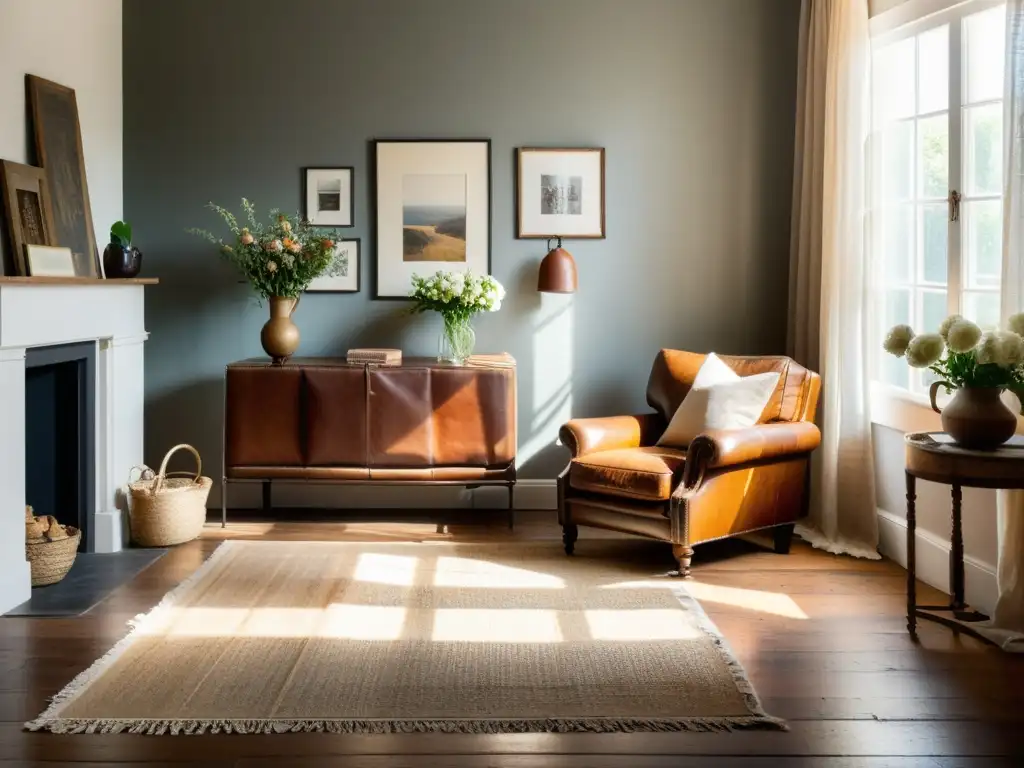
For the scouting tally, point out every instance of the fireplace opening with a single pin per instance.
(60, 435)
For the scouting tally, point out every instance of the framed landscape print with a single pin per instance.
(348, 280)
(559, 192)
(27, 208)
(58, 141)
(432, 205)
(329, 197)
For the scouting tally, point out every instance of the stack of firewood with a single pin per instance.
(44, 528)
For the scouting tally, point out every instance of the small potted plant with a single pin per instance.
(456, 296)
(279, 261)
(978, 366)
(120, 258)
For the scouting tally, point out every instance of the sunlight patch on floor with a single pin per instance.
(464, 572)
(487, 625)
(363, 622)
(641, 625)
(775, 603)
(385, 569)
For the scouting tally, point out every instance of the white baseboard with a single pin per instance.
(933, 560)
(527, 494)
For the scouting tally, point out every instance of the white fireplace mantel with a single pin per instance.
(36, 312)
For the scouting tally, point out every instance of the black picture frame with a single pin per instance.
(359, 272)
(307, 213)
(373, 148)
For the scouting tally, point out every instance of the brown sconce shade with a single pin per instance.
(557, 271)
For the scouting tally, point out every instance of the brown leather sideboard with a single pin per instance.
(417, 423)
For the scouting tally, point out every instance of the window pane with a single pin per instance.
(898, 243)
(893, 76)
(984, 42)
(934, 243)
(933, 143)
(933, 311)
(895, 370)
(984, 150)
(983, 242)
(898, 161)
(933, 70)
(982, 308)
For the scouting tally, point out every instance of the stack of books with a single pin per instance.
(375, 356)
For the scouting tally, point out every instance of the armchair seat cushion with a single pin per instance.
(633, 473)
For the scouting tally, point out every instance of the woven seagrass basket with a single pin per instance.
(169, 508)
(50, 561)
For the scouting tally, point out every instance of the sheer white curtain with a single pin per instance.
(829, 276)
(1007, 625)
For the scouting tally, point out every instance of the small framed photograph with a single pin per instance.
(560, 192)
(330, 201)
(49, 261)
(27, 206)
(347, 281)
(432, 205)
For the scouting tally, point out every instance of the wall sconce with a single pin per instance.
(557, 270)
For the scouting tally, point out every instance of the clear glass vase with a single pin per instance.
(456, 342)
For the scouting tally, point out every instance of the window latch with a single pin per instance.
(954, 205)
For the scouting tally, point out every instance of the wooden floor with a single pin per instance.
(823, 640)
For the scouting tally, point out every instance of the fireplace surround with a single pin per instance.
(36, 316)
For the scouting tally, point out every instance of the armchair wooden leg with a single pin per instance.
(569, 535)
(783, 535)
(684, 554)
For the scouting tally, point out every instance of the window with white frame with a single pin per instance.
(935, 202)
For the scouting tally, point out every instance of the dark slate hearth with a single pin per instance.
(90, 581)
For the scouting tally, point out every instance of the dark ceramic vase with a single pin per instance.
(121, 262)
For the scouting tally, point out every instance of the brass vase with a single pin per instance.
(280, 336)
(976, 417)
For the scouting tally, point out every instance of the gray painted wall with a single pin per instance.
(692, 99)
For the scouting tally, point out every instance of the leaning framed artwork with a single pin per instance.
(330, 201)
(28, 211)
(432, 209)
(58, 142)
(560, 192)
(347, 279)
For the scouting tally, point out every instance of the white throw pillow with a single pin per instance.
(719, 399)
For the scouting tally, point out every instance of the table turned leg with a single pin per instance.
(956, 553)
(911, 555)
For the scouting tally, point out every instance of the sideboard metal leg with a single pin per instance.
(223, 502)
(266, 497)
(511, 507)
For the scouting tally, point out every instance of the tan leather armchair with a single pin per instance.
(725, 483)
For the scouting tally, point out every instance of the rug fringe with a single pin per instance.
(575, 725)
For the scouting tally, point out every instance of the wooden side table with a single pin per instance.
(934, 456)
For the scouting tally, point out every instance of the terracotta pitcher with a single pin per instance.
(976, 417)
(280, 336)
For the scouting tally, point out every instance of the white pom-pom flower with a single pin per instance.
(925, 350)
(989, 350)
(1011, 348)
(898, 339)
(1016, 323)
(948, 323)
(963, 336)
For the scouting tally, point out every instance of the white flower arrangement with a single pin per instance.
(456, 294)
(962, 355)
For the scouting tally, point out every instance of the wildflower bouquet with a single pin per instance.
(456, 296)
(280, 259)
(962, 355)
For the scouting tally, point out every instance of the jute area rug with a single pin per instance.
(346, 637)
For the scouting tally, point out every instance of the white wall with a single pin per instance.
(76, 43)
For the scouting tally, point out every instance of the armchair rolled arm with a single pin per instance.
(607, 433)
(717, 449)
